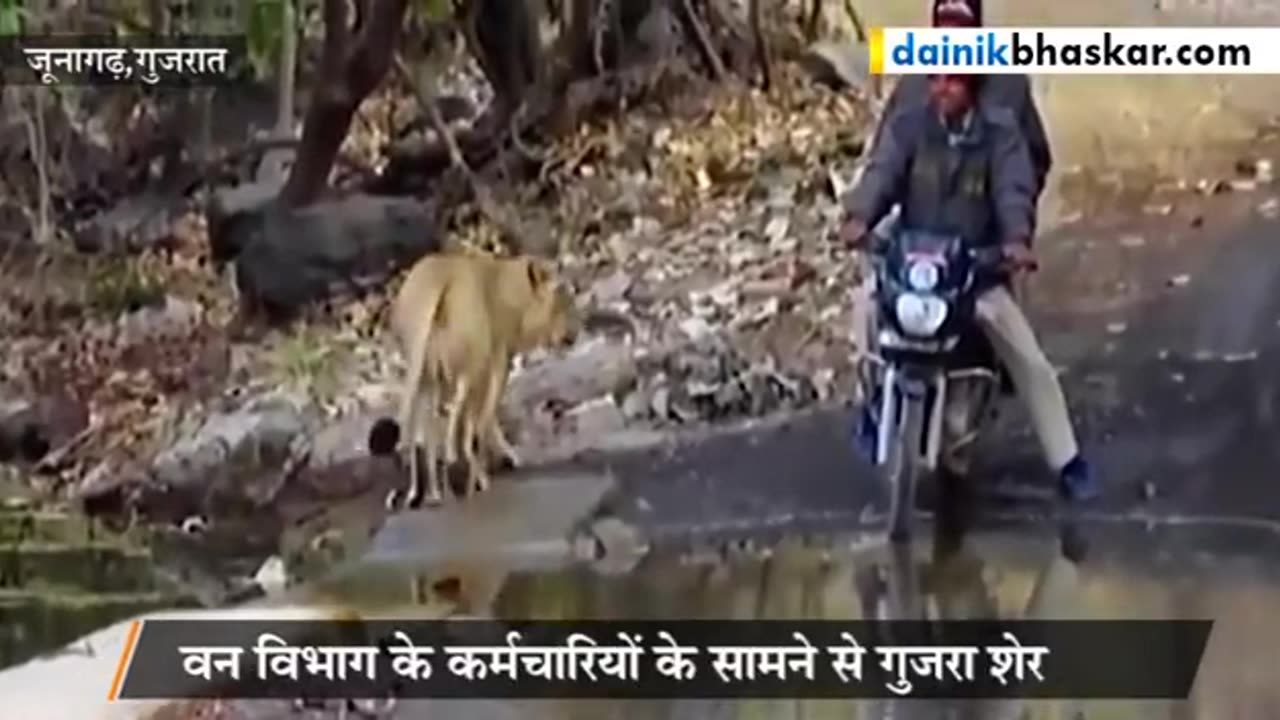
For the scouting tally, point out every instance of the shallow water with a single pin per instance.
(1192, 569)
(61, 578)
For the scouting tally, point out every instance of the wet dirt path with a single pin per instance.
(1174, 390)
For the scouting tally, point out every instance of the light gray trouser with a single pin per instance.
(1013, 340)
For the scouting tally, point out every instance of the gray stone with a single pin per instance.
(515, 522)
(285, 258)
(698, 389)
(271, 575)
(230, 448)
(620, 546)
(598, 417)
(347, 439)
(30, 429)
(588, 372)
(684, 409)
(230, 205)
(661, 403)
(136, 223)
(730, 398)
(636, 406)
(175, 318)
(763, 394)
(611, 288)
(840, 64)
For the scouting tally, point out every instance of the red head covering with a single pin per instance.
(962, 13)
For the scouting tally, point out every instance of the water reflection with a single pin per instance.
(946, 578)
(1228, 572)
(953, 584)
(60, 578)
(1039, 572)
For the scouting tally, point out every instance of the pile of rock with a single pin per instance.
(711, 381)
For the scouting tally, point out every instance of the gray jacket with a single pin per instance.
(1007, 91)
(980, 185)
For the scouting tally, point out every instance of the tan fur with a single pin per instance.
(460, 320)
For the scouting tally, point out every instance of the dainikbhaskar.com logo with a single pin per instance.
(1100, 50)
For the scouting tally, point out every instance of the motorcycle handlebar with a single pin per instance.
(990, 258)
(987, 257)
(994, 258)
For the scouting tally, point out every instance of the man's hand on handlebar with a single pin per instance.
(1018, 257)
(853, 232)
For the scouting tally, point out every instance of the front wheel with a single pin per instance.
(903, 469)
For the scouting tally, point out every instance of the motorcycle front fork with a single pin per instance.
(893, 390)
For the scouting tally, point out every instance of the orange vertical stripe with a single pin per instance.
(125, 656)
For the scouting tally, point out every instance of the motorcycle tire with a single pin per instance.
(903, 470)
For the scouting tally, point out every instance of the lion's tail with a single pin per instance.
(430, 309)
(386, 432)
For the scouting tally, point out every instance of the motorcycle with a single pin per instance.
(933, 374)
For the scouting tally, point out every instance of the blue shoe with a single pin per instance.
(1076, 481)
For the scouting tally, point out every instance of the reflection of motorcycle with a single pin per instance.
(952, 585)
(932, 372)
(948, 586)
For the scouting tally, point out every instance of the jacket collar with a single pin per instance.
(969, 133)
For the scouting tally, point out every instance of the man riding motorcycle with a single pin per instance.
(1012, 91)
(955, 165)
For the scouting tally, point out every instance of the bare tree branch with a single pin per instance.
(426, 95)
(762, 46)
(349, 73)
(37, 140)
(858, 28)
(598, 25)
(811, 23)
(273, 163)
(704, 41)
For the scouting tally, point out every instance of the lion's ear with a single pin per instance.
(539, 275)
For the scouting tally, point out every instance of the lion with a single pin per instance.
(460, 320)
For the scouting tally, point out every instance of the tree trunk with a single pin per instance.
(575, 38)
(609, 54)
(351, 67)
(38, 139)
(207, 22)
(504, 37)
(762, 47)
(599, 38)
(274, 162)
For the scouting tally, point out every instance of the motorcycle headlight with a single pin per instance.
(922, 275)
(920, 315)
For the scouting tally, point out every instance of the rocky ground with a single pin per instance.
(707, 233)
